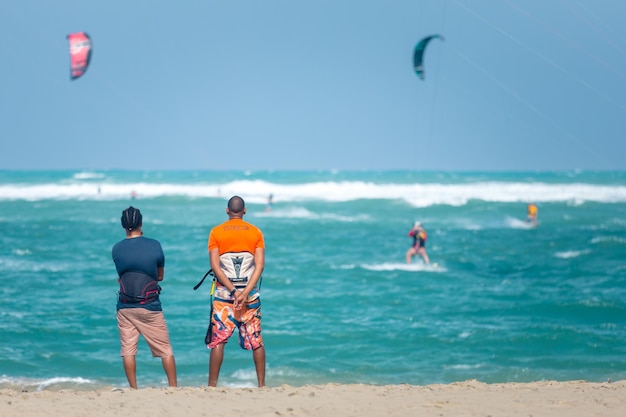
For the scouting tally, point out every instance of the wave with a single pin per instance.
(88, 176)
(257, 192)
(418, 266)
(303, 213)
(514, 223)
(13, 264)
(608, 239)
(571, 254)
(47, 384)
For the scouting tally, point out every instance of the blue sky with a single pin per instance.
(307, 85)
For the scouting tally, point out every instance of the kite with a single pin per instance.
(80, 53)
(418, 55)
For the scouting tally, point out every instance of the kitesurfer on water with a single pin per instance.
(419, 236)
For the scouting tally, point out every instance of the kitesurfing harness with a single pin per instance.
(209, 272)
(238, 267)
(138, 288)
(209, 331)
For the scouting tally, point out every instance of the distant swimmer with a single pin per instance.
(531, 216)
(419, 236)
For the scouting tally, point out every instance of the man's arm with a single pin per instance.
(214, 257)
(259, 264)
(160, 273)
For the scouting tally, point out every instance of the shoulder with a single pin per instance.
(258, 233)
(219, 228)
(150, 243)
(255, 228)
(117, 246)
(122, 243)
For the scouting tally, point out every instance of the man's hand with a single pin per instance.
(240, 300)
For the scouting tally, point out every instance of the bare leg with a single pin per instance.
(259, 363)
(169, 366)
(409, 254)
(215, 363)
(422, 252)
(130, 367)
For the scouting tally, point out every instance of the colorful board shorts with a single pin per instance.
(225, 320)
(151, 324)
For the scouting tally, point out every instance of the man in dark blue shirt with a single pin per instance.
(140, 265)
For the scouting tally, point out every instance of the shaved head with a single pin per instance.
(236, 205)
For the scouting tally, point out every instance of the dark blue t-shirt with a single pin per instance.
(139, 254)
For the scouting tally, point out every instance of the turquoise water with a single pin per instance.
(505, 303)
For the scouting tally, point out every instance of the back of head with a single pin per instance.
(236, 205)
(131, 218)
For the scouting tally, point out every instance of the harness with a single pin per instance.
(209, 331)
(138, 288)
(238, 266)
(419, 237)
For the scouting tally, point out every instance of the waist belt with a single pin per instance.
(138, 288)
(238, 266)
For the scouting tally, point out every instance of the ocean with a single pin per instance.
(505, 302)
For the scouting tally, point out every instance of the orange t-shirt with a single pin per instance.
(236, 235)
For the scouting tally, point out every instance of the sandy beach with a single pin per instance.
(469, 398)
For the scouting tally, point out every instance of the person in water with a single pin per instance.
(237, 254)
(531, 216)
(418, 247)
(270, 202)
(140, 265)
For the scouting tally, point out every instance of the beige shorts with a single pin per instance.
(151, 324)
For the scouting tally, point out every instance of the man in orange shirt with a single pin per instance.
(237, 254)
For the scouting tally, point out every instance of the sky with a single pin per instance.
(536, 85)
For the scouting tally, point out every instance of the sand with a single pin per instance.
(470, 398)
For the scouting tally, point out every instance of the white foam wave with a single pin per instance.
(463, 366)
(289, 213)
(303, 213)
(11, 264)
(257, 191)
(518, 224)
(418, 266)
(609, 239)
(571, 254)
(28, 384)
(243, 378)
(88, 175)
